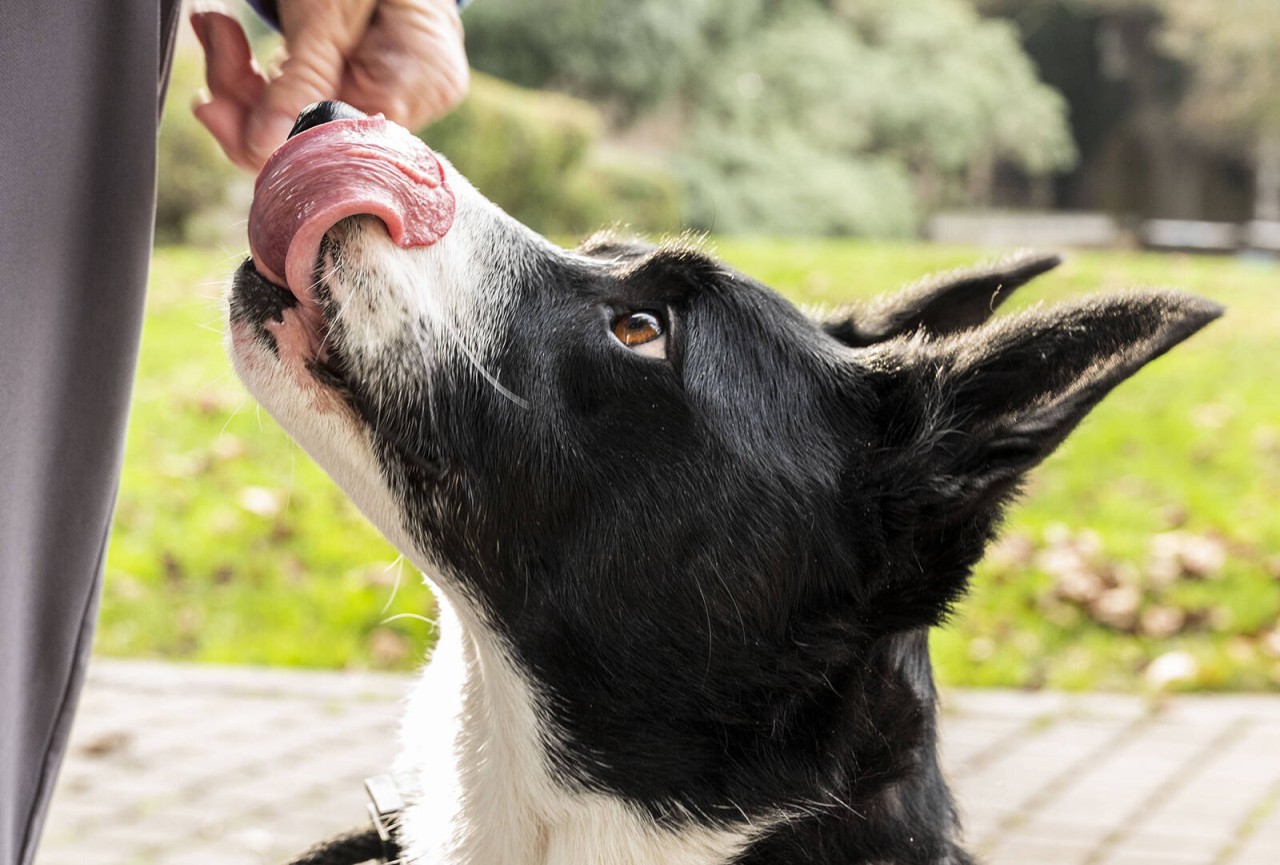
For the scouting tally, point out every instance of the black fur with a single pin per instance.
(719, 569)
(941, 304)
(258, 300)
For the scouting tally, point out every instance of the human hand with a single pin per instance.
(403, 58)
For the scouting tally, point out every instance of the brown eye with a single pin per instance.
(642, 332)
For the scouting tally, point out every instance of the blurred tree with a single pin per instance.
(826, 116)
(629, 55)
(1233, 51)
(1135, 133)
(539, 157)
(1197, 81)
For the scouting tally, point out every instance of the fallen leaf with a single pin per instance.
(1171, 667)
(1270, 642)
(1117, 607)
(1161, 622)
(1179, 554)
(1011, 552)
(982, 649)
(387, 648)
(1211, 416)
(261, 501)
(228, 447)
(106, 744)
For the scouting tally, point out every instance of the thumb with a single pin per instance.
(313, 71)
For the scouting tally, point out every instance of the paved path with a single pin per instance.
(184, 765)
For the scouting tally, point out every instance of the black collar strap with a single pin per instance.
(376, 844)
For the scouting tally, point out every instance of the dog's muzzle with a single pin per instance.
(337, 163)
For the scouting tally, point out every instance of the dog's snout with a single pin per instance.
(318, 113)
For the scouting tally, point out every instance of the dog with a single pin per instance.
(688, 542)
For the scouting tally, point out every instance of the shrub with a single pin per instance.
(194, 175)
(537, 156)
(619, 189)
(789, 187)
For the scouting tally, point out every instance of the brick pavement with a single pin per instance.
(190, 765)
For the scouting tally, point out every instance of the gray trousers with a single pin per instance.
(79, 102)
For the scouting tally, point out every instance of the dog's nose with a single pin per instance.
(324, 112)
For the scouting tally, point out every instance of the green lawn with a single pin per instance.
(1155, 531)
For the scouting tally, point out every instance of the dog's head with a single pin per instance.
(696, 517)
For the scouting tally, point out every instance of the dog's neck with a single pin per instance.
(481, 788)
(475, 770)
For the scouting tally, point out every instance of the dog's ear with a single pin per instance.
(996, 400)
(608, 243)
(962, 418)
(940, 304)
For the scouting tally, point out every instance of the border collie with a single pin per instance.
(688, 542)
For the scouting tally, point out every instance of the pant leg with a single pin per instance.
(79, 89)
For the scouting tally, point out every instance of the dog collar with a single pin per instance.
(364, 845)
(385, 805)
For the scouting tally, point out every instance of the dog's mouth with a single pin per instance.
(343, 165)
(298, 333)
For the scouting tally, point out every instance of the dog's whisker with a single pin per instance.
(446, 323)
(218, 379)
(397, 563)
(479, 367)
(432, 622)
(706, 610)
(233, 414)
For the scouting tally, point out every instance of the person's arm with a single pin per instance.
(403, 58)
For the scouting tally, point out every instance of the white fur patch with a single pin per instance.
(483, 792)
(323, 424)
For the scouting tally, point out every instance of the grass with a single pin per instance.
(230, 544)
(1154, 533)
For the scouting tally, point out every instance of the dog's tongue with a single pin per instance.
(343, 168)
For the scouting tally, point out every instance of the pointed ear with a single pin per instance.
(998, 399)
(608, 243)
(941, 304)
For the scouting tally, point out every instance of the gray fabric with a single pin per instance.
(78, 108)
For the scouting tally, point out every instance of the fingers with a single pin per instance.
(225, 122)
(319, 37)
(406, 61)
(234, 83)
(411, 64)
(230, 70)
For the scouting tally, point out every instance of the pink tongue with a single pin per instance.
(339, 169)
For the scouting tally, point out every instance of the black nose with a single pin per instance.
(324, 112)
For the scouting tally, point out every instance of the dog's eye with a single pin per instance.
(642, 332)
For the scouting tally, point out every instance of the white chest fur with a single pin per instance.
(474, 767)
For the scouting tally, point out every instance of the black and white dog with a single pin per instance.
(688, 543)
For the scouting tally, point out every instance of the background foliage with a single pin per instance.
(845, 117)
(539, 156)
(194, 176)
(795, 116)
(777, 116)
